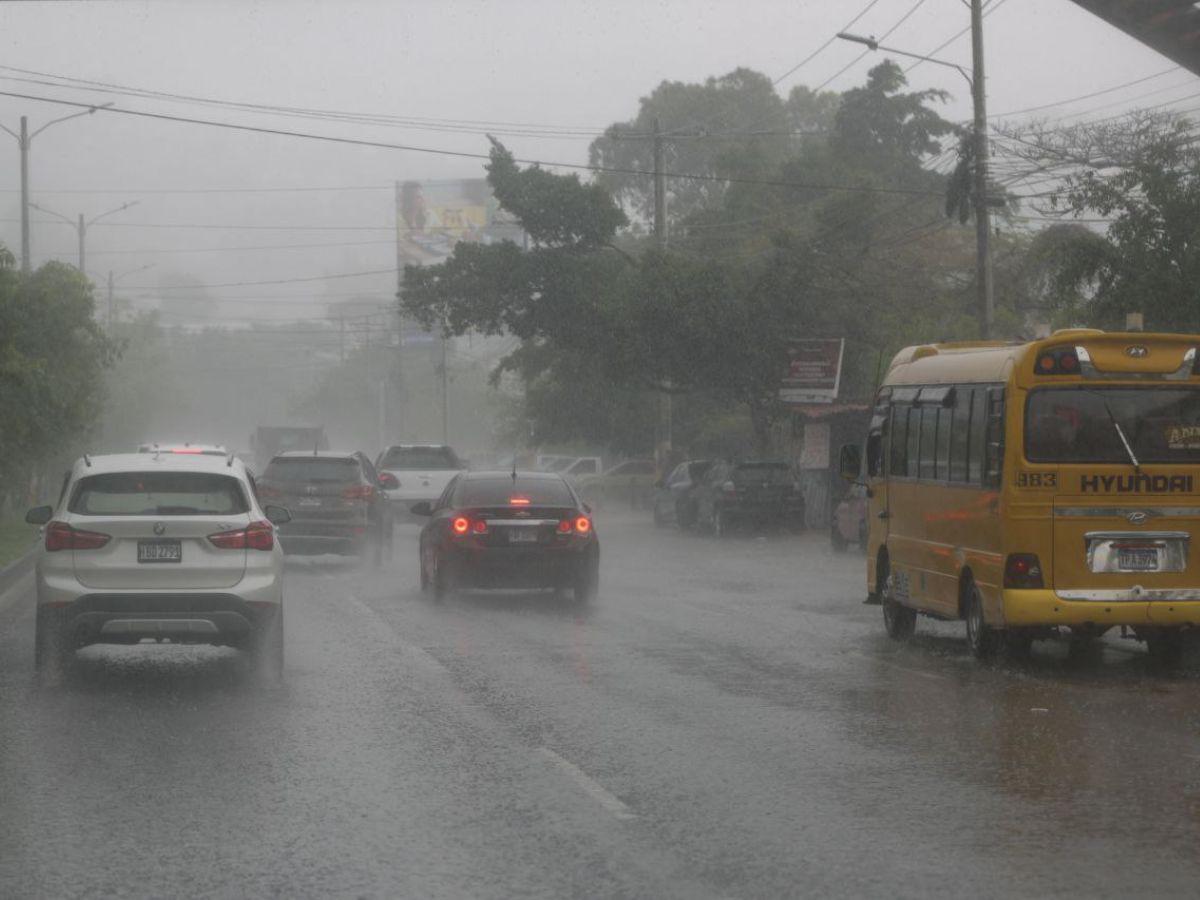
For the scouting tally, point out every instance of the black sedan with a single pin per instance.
(509, 530)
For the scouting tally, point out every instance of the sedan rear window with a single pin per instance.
(311, 468)
(501, 491)
(429, 458)
(158, 494)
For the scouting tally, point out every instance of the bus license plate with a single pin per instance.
(160, 552)
(1137, 559)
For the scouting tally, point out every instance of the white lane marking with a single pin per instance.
(590, 786)
(418, 656)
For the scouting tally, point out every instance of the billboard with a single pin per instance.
(814, 371)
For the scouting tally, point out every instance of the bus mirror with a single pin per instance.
(850, 462)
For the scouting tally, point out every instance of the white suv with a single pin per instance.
(410, 473)
(160, 545)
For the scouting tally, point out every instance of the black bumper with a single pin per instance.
(512, 568)
(189, 618)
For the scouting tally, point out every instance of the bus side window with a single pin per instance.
(945, 426)
(913, 458)
(978, 436)
(995, 437)
(899, 441)
(929, 420)
(960, 434)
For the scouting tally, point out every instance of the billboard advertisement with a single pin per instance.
(814, 371)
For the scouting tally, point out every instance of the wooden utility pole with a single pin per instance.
(660, 190)
(983, 255)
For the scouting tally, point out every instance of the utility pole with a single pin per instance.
(660, 242)
(81, 225)
(24, 139)
(112, 280)
(82, 229)
(983, 255)
(401, 225)
(660, 190)
(445, 395)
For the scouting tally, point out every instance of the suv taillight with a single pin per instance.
(1023, 570)
(61, 536)
(255, 536)
(358, 492)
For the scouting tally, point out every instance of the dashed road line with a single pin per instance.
(590, 786)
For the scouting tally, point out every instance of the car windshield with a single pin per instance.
(1085, 425)
(312, 468)
(426, 458)
(501, 491)
(157, 494)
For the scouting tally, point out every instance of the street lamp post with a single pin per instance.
(983, 256)
(113, 279)
(82, 225)
(24, 140)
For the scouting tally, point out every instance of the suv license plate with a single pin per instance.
(160, 552)
(1138, 559)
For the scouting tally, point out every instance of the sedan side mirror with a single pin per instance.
(388, 481)
(39, 515)
(277, 515)
(421, 509)
(850, 462)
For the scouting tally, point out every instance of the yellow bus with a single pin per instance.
(1028, 488)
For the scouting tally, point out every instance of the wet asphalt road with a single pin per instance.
(725, 720)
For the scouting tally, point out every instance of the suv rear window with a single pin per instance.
(433, 458)
(158, 494)
(498, 492)
(311, 468)
(772, 473)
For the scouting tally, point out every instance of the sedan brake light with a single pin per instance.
(358, 492)
(461, 525)
(255, 536)
(61, 536)
(583, 525)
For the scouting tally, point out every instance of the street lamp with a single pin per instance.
(82, 226)
(113, 279)
(24, 139)
(983, 256)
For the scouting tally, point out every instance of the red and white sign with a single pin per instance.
(814, 371)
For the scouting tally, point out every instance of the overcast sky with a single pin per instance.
(558, 65)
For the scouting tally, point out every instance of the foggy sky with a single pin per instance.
(559, 64)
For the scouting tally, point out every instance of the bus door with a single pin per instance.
(875, 467)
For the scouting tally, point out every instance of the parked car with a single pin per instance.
(849, 523)
(508, 530)
(751, 493)
(629, 482)
(336, 502)
(174, 547)
(414, 472)
(674, 496)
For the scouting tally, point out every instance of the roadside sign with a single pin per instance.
(814, 371)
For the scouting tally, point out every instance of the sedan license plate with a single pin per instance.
(522, 536)
(160, 552)
(310, 501)
(1137, 559)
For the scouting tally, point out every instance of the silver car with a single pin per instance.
(163, 546)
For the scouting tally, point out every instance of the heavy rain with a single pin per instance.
(698, 449)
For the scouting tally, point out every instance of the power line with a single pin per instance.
(1100, 93)
(190, 287)
(988, 10)
(462, 154)
(866, 9)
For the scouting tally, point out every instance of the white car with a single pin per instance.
(410, 473)
(164, 546)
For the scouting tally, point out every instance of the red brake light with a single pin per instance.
(186, 450)
(255, 536)
(583, 525)
(518, 501)
(461, 525)
(479, 526)
(61, 536)
(1069, 362)
(565, 526)
(1022, 570)
(358, 492)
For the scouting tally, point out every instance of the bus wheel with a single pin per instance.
(898, 620)
(981, 637)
